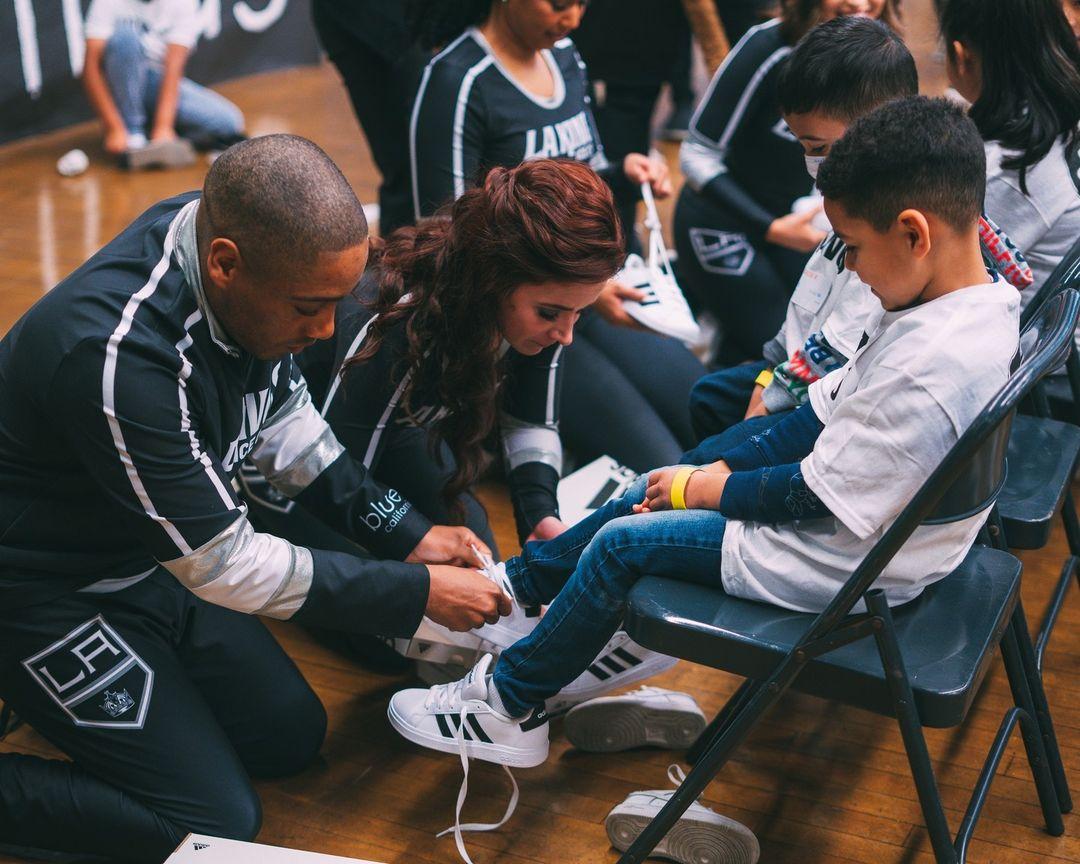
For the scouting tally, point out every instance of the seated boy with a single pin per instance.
(837, 73)
(785, 517)
(136, 51)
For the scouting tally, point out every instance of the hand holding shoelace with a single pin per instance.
(462, 599)
(448, 544)
(640, 168)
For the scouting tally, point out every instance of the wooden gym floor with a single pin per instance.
(818, 783)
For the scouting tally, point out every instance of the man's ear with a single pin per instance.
(222, 261)
(916, 231)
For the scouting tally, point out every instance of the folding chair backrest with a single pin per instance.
(1045, 343)
(1066, 275)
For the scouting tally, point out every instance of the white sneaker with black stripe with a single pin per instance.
(621, 662)
(646, 717)
(701, 836)
(441, 715)
(456, 718)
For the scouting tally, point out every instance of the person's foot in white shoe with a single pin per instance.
(646, 717)
(621, 663)
(521, 620)
(457, 718)
(701, 836)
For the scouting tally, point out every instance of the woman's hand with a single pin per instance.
(794, 231)
(609, 305)
(547, 528)
(116, 141)
(640, 168)
(448, 544)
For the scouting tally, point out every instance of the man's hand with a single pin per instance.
(462, 599)
(756, 408)
(640, 168)
(448, 544)
(166, 133)
(547, 528)
(610, 307)
(794, 231)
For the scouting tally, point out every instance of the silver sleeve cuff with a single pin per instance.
(247, 571)
(700, 163)
(528, 442)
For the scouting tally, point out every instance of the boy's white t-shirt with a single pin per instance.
(162, 22)
(890, 414)
(829, 298)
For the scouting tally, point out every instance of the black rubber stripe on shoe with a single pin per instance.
(443, 726)
(612, 664)
(623, 654)
(481, 735)
(598, 672)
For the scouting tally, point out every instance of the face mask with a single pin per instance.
(813, 163)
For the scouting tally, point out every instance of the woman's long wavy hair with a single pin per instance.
(1030, 73)
(799, 17)
(544, 221)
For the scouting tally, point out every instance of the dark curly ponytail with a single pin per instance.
(433, 23)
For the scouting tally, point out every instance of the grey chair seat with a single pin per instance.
(1042, 457)
(947, 636)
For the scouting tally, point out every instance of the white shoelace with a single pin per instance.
(443, 697)
(662, 277)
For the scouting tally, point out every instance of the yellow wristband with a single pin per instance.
(764, 377)
(678, 487)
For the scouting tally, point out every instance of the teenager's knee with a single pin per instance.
(613, 555)
(123, 49)
(234, 812)
(294, 733)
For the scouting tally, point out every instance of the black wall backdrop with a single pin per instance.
(41, 51)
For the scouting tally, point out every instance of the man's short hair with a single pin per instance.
(916, 153)
(283, 201)
(845, 68)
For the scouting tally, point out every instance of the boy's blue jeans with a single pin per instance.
(588, 572)
(204, 117)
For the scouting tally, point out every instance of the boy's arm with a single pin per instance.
(791, 439)
(792, 378)
(100, 97)
(164, 127)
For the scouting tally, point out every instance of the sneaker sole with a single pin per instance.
(612, 726)
(500, 754)
(718, 840)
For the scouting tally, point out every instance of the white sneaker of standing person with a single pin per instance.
(457, 718)
(701, 836)
(664, 308)
(646, 717)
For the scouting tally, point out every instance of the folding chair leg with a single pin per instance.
(1072, 524)
(711, 733)
(1039, 707)
(907, 716)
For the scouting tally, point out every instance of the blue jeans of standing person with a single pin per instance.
(586, 573)
(204, 117)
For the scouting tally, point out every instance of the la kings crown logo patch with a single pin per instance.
(95, 677)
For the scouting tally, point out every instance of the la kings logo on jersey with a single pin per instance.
(725, 253)
(95, 677)
(573, 138)
(255, 411)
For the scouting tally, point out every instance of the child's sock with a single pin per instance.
(495, 700)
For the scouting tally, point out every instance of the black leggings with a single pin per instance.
(161, 748)
(625, 395)
(745, 283)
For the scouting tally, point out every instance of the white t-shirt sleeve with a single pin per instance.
(101, 19)
(878, 447)
(181, 18)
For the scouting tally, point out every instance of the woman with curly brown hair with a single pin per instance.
(458, 340)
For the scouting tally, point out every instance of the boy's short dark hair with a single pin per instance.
(916, 153)
(846, 67)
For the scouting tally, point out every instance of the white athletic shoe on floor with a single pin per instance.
(646, 717)
(663, 309)
(701, 836)
(456, 718)
(621, 663)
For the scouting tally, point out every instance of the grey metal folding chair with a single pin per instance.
(926, 659)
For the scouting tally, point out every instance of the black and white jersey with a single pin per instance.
(364, 404)
(470, 116)
(740, 150)
(127, 412)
